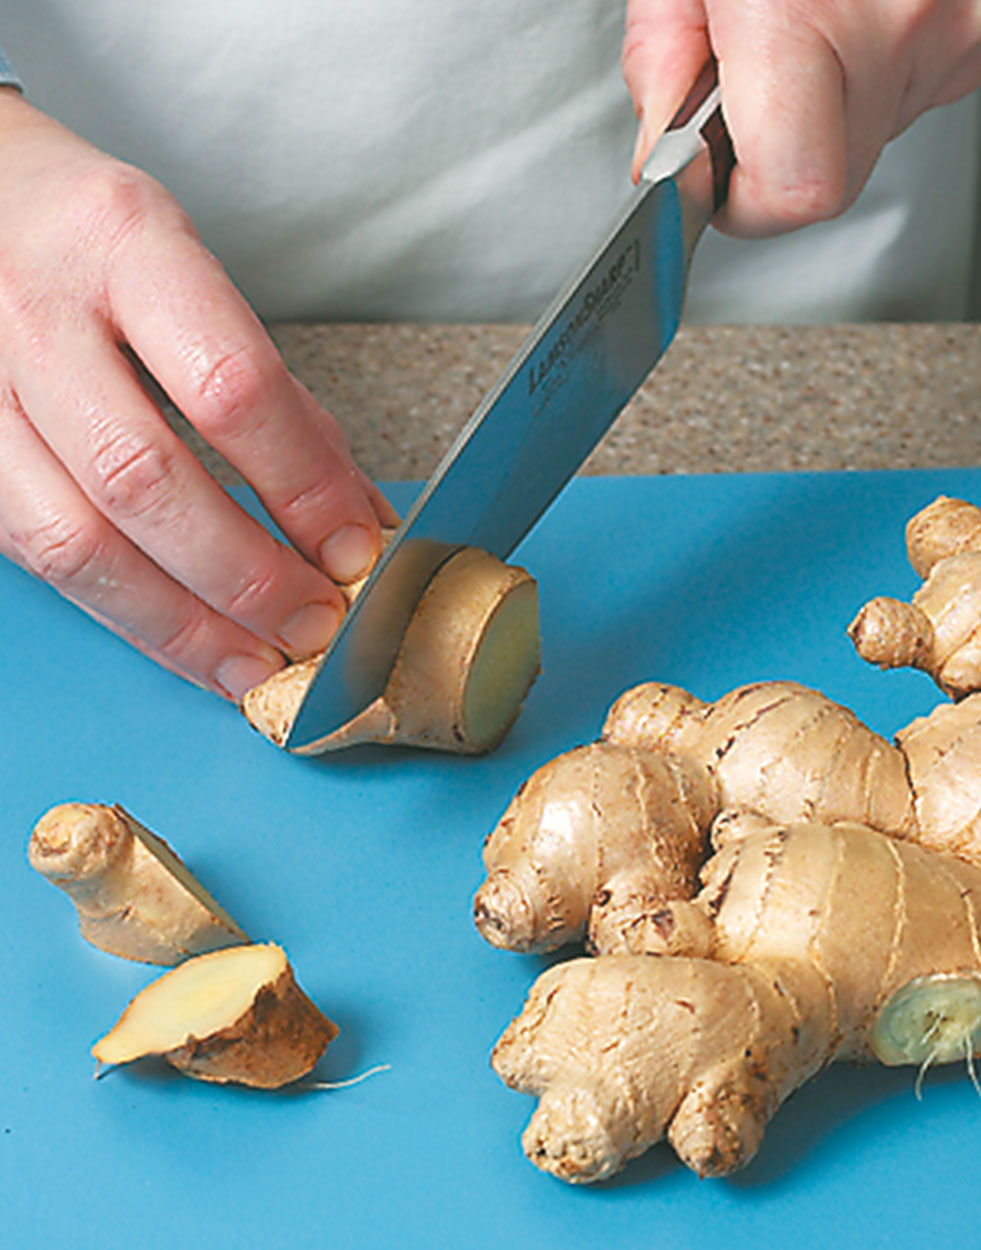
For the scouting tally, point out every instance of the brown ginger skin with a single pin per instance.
(946, 527)
(776, 748)
(939, 631)
(277, 1040)
(815, 932)
(943, 754)
(133, 895)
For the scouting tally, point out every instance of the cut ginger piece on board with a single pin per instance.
(133, 895)
(234, 1015)
(470, 654)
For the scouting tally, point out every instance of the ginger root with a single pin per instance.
(940, 630)
(234, 1015)
(584, 850)
(819, 943)
(603, 822)
(839, 916)
(133, 895)
(470, 655)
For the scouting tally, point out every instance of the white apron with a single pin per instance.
(452, 160)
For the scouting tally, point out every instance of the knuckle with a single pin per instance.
(67, 553)
(184, 644)
(253, 595)
(130, 477)
(232, 394)
(813, 200)
(803, 202)
(319, 499)
(111, 200)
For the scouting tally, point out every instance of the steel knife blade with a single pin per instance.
(582, 362)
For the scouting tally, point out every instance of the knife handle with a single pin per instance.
(698, 124)
(715, 132)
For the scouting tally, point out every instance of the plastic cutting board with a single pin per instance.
(364, 865)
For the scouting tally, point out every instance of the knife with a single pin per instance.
(584, 359)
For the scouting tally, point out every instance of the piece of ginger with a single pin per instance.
(470, 654)
(818, 943)
(234, 1015)
(133, 895)
(591, 843)
(603, 828)
(939, 631)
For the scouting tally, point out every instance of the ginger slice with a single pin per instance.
(470, 655)
(234, 1015)
(133, 895)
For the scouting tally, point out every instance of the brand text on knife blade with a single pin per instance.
(595, 302)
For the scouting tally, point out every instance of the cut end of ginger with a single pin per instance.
(504, 666)
(231, 1015)
(469, 656)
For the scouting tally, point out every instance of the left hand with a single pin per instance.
(812, 90)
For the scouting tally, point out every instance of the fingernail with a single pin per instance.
(348, 553)
(642, 149)
(310, 628)
(239, 673)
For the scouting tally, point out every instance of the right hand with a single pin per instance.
(811, 92)
(98, 496)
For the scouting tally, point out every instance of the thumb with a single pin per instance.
(665, 47)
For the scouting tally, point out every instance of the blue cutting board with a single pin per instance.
(364, 865)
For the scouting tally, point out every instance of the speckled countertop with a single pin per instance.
(723, 399)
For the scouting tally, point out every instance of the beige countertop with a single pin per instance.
(723, 399)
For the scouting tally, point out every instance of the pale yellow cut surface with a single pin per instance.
(504, 667)
(195, 1000)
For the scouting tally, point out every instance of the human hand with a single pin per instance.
(98, 496)
(811, 89)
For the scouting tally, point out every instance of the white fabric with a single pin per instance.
(450, 160)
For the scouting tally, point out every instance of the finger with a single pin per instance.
(665, 47)
(211, 355)
(943, 51)
(135, 471)
(386, 514)
(50, 528)
(783, 93)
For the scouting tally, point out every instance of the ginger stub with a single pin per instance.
(470, 655)
(133, 895)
